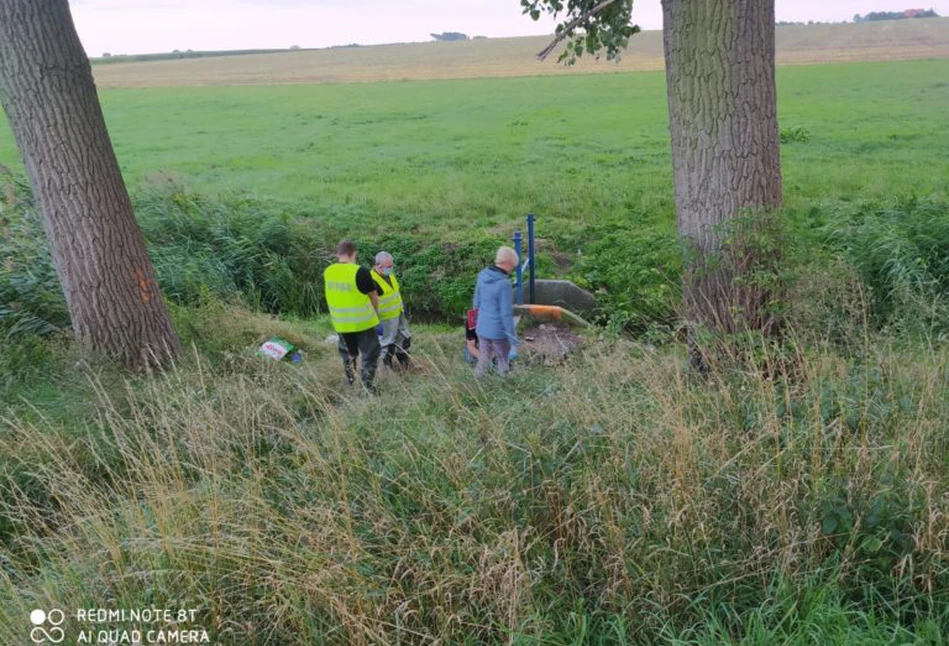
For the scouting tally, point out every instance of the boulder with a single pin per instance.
(562, 293)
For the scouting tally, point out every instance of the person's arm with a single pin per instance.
(507, 314)
(476, 302)
(366, 284)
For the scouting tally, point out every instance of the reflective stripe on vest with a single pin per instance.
(390, 301)
(350, 309)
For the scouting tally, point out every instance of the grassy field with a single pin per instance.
(483, 152)
(799, 495)
(458, 163)
(615, 500)
(882, 41)
(441, 171)
(501, 147)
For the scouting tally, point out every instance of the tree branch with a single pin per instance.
(566, 31)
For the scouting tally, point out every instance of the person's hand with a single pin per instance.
(380, 329)
(512, 354)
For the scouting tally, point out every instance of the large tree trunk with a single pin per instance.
(49, 96)
(725, 153)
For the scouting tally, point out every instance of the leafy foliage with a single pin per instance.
(274, 260)
(635, 275)
(589, 26)
(795, 134)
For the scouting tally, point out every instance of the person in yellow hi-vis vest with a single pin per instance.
(351, 295)
(396, 337)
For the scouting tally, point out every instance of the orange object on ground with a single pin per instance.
(550, 313)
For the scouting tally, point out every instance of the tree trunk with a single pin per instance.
(50, 99)
(725, 154)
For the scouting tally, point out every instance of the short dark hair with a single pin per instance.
(346, 248)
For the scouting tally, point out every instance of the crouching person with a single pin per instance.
(396, 337)
(353, 304)
(494, 302)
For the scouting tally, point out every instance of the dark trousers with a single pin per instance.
(364, 344)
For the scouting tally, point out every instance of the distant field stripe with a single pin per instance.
(512, 57)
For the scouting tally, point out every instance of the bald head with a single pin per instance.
(506, 258)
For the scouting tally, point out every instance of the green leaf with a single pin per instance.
(872, 544)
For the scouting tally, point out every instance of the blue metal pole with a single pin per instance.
(530, 253)
(519, 284)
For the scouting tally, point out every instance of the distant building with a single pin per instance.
(896, 15)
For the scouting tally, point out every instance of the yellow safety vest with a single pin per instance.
(350, 309)
(390, 301)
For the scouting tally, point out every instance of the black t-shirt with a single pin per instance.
(364, 281)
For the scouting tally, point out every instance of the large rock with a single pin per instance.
(563, 293)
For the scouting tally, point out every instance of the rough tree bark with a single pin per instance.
(49, 96)
(725, 151)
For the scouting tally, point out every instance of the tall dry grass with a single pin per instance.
(612, 500)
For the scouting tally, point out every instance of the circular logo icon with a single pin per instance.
(40, 619)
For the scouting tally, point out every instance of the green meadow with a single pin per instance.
(471, 153)
(797, 495)
(442, 171)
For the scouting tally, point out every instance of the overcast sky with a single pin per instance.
(140, 26)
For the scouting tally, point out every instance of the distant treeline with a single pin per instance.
(799, 23)
(134, 58)
(896, 15)
(872, 16)
(448, 36)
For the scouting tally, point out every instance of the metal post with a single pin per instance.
(519, 284)
(530, 253)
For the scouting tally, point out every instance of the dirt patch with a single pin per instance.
(562, 260)
(548, 343)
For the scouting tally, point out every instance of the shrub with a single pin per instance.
(900, 250)
(828, 303)
(274, 260)
(795, 134)
(635, 275)
(240, 248)
(229, 248)
(31, 300)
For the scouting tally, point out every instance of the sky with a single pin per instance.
(145, 26)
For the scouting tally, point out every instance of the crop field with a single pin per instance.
(506, 57)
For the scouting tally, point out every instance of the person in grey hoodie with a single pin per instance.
(494, 301)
